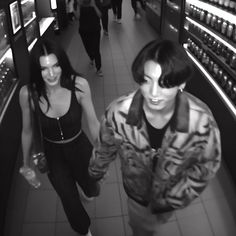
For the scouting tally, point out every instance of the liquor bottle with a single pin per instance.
(210, 66)
(221, 3)
(219, 75)
(215, 70)
(230, 30)
(233, 92)
(213, 21)
(218, 48)
(233, 61)
(224, 79)
(229, 86)
(190, 12)
(218, 24)
(208, 18)
(226, 4)
(228, 56)
(234, 34)
(214, 45)
(232, 5)
(224, 27)
(210, 41)
(203, 15)
(205, 38)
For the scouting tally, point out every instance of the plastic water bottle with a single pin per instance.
(30, 176)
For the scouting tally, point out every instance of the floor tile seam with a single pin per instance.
(58, 202)
(123, 221)
(39, 223)
(42, 189)
(213, 198)
(109, 217)
(121, 201)
(179, 226)
(208, 219)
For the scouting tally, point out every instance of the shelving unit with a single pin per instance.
(209, 33)
(8, 80)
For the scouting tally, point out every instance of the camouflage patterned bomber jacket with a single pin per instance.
(189, 156)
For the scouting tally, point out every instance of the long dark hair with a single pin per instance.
(44, 47)
(175, 64)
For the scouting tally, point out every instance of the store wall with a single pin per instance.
(43, 8)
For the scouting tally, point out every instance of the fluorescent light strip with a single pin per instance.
(214, 10)
(32, 44)
(53, 4)
(230, 105)
(8, 54)
(44, 23)
(8, 101)
(24, 1)
(212, 34)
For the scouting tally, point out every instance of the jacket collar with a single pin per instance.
(179, 121)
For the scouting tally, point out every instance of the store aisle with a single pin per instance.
(39, 212)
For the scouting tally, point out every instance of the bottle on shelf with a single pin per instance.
(208, 18)
(224, 79)
(233, 61)
(224, 27)
(230, 30)
(226, 4)
(233, 93)
(232, 4)
(218, 24)
(213, 21)
(30, 176)
(221, 3)
(220, 75)
(228, 86)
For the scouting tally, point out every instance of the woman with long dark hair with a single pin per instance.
(63, 95)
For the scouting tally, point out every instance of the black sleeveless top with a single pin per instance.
(64, 127)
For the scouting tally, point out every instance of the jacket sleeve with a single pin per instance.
(193, 175)
(106, 147)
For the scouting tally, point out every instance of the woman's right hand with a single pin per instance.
(30, 175)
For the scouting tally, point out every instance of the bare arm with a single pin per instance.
(88, 108)
(26, 134)
(98, 12)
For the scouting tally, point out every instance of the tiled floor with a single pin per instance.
(39, 212)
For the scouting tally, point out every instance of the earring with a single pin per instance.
(181, 90)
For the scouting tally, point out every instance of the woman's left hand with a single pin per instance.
(84, 89)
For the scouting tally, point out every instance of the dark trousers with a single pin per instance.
(134, 5)
(68, 165)
(104, 11)
(91, 41)
(117, 8)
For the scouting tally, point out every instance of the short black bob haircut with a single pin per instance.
(175, 64)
